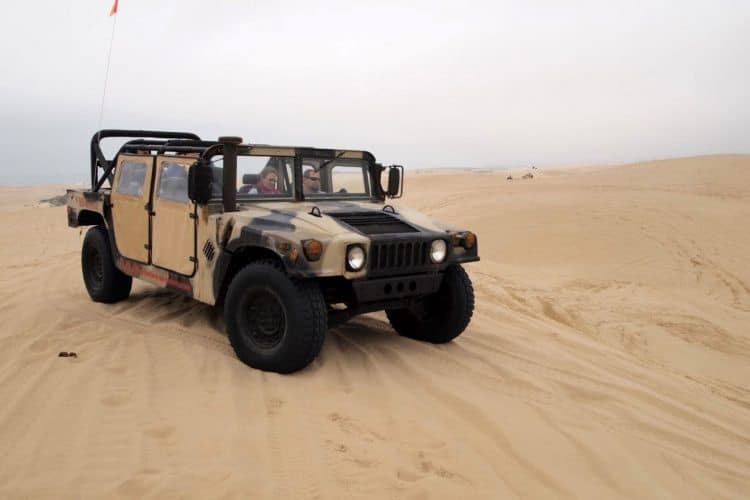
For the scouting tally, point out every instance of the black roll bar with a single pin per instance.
(98, 160)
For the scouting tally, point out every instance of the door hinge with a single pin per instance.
(193, 216)
(147, 246)
(193, 259)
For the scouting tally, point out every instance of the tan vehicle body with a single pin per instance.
(175, 259)
(218, 229)
(157, 233)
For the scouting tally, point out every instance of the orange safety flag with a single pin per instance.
(114, 9)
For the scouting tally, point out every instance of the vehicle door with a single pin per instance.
(173, 219)
(130, 211)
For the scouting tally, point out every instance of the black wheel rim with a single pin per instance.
(264, 321)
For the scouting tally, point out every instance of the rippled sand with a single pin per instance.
(609, 357)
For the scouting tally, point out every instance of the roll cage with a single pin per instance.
(165, 142)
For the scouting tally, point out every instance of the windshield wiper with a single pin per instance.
(325, 163)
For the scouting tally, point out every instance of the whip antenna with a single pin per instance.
(112, 13)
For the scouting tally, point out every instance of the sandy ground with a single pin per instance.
(609, 357)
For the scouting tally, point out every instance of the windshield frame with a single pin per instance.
(367, 178)
(370, 169)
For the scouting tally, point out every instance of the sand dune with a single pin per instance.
(609, 357)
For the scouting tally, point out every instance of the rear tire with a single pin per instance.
(104, 282)
(442, 316)
(274, 323)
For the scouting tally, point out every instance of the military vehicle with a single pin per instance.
(288, 240)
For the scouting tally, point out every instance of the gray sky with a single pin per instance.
(422, 83)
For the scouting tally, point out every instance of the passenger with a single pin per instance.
(267, 184)
(311, 181)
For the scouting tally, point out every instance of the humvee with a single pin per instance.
(288, 240)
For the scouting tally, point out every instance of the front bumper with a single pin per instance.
(398, 287)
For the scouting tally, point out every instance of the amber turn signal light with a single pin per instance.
(470, 239)
(313, 249)
(466, 239)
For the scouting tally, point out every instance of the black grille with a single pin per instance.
(209, 251)
(399, 256)
(374, 222)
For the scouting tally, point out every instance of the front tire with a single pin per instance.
(274, 323)
(442, 316)
(104, 282)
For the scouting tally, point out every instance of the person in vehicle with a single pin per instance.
(268, 182)
(311, 181)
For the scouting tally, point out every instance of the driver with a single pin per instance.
(311, 181)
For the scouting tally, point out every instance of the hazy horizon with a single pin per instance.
(426, 85)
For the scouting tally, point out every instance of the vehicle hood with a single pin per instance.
(334, 218)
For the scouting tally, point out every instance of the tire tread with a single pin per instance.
(306, 302)
(439, 324)
(115, 285)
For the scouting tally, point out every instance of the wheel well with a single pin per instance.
(90, 218)
(241, 258)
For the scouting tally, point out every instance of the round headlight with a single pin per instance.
(355, 258)
(438, 250)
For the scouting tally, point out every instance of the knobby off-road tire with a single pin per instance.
(274, 323)
(104, 282)
(442, 316)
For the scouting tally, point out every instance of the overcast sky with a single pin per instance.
(422, 83)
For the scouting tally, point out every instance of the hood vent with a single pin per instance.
(374, 222)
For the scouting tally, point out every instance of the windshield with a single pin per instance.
(339, 178)
(259, 177)
(262, 177)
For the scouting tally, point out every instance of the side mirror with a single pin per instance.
(200, 177)
(395, 190)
